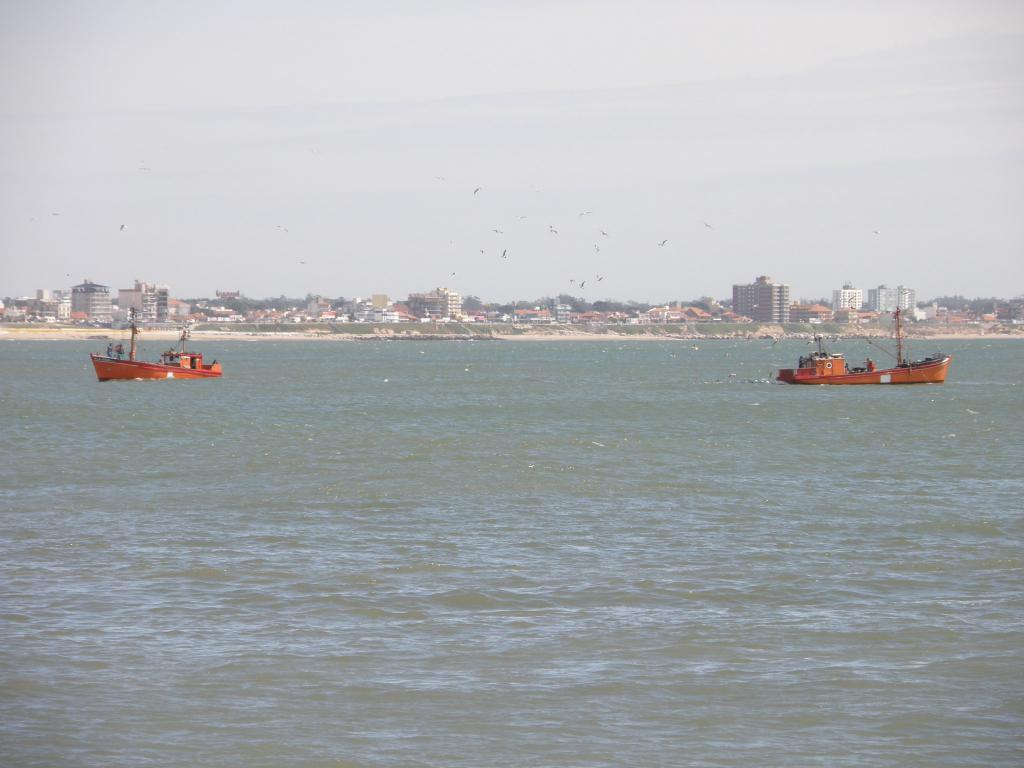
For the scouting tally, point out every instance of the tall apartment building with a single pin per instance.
(93, 299)
(437, 304)
(847, 297)
(882, 299)
(148, 300)
(763, 300)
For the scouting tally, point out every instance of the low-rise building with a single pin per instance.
(810, 313)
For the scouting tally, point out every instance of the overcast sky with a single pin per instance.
(334, 148)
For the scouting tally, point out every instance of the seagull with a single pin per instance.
(521, 218)
(123, 227)
(552, 230)
(708, 225)
(582, 284)
(586, 213)
(604, 233)
(481, 250)
(55, 214)
(597, 248)
(301, 261)
(600, 278)
(452, 275)
(662, 243)
(498, 231)
(476, 190)
(504, 254)
(439, 178)
(876, 231)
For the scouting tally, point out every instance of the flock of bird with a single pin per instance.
(505, 256)
(579, 283)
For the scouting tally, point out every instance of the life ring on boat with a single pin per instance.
(828, 365)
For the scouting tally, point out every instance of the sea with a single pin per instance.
(505, 553)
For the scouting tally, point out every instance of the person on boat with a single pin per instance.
(119, 349)
(110, 349)
(870, 364)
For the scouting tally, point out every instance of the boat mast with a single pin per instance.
(899, 339)
(135, 332)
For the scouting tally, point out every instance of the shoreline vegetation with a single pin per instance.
(503, 332)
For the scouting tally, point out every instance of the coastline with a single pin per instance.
(649, 333)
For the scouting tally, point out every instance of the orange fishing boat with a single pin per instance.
(823, 367)
(174, 363)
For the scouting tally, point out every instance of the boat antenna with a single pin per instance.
(135, 332)
(899, 338)
(183, 338)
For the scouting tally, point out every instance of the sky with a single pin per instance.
(642, 150)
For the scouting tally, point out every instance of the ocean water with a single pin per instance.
(510, 554)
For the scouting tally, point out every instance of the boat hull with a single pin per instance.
(929, 372)
(112, 369)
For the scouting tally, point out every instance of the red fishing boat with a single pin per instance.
(174, 363)
(823, 367)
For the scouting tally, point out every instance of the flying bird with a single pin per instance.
(498, 231)
(552, 230)
(123, 227)
(585, 213)
(521, 218)
(876, 231)
(504, 254)
(597, 248)
(476, 190)
(708, 225)
(605, 233)
(582, 283)
(600, 278)
(662, 243)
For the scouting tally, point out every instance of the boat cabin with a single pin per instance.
(823, 364)
(193, 360)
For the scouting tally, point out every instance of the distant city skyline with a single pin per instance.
(876, 296)
(345, 149)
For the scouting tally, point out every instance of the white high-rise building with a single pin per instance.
(906, 297)
(847, 297)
